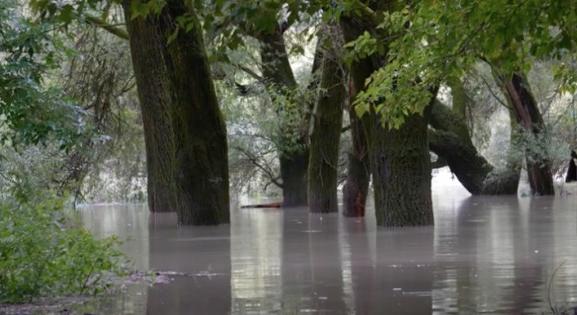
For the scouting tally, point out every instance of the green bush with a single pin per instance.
(42, 254)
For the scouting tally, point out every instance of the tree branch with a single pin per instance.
(251, 73)
(119, 32)
(254, 160)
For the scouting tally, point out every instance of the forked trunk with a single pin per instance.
(182, 90)
(279, 78)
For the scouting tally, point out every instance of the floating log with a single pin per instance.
(263, 205)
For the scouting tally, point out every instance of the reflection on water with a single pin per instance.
(485, 254)
(256, 261)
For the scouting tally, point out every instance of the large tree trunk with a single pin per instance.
(399, 159)
(293, 170)
(159, 143)
(199, 149)
(293, 153)
(450, 140)
(155, 110)
(326, 133)
(470, 168)
(356, 186)
(529, 117)
(401, 168)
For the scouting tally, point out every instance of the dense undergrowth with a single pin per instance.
(43, 253)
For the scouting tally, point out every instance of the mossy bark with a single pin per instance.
(293, 153)
(198, 152)
(325, 137)
(450, 140)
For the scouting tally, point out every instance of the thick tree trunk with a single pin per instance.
(155, 110)
(356, 186)
(293, 170)
(325, 137)
(279, 78)
(399, 159)
(199, 151)
(451, 141)
(472, 170)
(401, 168)
(529, 117)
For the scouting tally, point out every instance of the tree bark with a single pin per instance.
(199, 150)
(401, 168)
(450, 140)
(155, 110)
(527, 114)
(326, 133)
(293, 153)
(293, 169)
(356, 187)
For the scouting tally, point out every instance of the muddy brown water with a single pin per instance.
(484, 255)
(493, 255)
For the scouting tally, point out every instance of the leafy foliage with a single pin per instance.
(30, 112)
(42, 254)
(432, 41)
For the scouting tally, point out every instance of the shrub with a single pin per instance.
(42, 254)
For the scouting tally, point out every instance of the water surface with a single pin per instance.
(484, 255)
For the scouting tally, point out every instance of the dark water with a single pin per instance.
(484, 255)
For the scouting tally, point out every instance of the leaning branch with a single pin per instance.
(119, 32)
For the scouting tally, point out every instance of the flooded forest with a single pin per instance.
(288, 157)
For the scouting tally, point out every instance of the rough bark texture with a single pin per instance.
(452, 142)
(356, 185)
(529, 117)
(399, 159)
(155, 110)
(199, 149)
(401, 169)
(278, 75)
(325, 136)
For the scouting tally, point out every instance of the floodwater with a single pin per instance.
(495, 255)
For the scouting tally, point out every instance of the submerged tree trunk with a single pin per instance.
(293, 153)
(326, 133)
(293, 169)
(529, 117)
(401, 168)
(155, 110)
(399, 159)
(356, 186)
(450, 140)
(183, 88)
